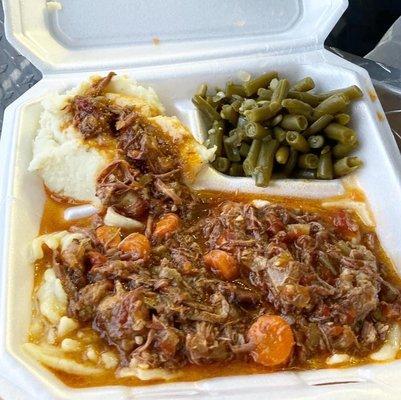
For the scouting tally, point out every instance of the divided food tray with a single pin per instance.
(175, 80)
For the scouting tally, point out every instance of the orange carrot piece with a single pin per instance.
(273, 339)
(136, 243)
(222, 264)
(166, 226)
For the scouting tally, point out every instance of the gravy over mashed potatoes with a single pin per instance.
(59, 151)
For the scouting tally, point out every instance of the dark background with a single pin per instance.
(363, 24)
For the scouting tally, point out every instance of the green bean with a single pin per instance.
(236, 170)
(352, 92)
(264, 168)
(346, 165)
(236, 104)
(202, 90)
(255, 131)
(341, 150)
(209, 99)
(308, 161)
(276, 120)
(295, 106)
(282, 154)
(242, 121)
(252, 157)
(316, 141)
(325, 165)
(273, 84)
(294, 122)
(216, 139)
(304, 85)
(297, 141)
(221, 164)
(232, 88)
(232, 152)
(319, 125)
(291, 163)
(218, 98)
(244, 149)
(332, 105)
(266, 122)
(202, 105)
(215, 101)
(342, 118)
(279, 133)
(228, 113)
(264, 94)
(281, 90)
(237, 135)
(218, 125)
(340, 133)
(267, 138)
(264, 112)
(252, 86)
(309, 98)
(248, 104)
(305, 174)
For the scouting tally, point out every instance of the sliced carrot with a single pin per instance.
(273, 339)
(222, 264)
(109, 236)
(166, 226)
(136, 243)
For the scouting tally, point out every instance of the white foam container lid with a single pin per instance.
(200, 41)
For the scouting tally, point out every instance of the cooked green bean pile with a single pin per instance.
(267, 128)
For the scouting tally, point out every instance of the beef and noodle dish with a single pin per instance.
(140, 279)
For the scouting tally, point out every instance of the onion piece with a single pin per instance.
(259, 203)
(147, 374)
(337, 359)
(390, 347)
(112, 218)
(78, 212)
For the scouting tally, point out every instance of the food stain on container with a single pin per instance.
(372, 95)
(380, 116)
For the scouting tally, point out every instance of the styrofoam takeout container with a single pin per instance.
(200, 41)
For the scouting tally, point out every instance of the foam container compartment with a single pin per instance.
(208, 41)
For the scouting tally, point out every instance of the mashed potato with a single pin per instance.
(193, 155)
(59, 154)
(69, 166)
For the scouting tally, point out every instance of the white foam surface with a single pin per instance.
(212, 59)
